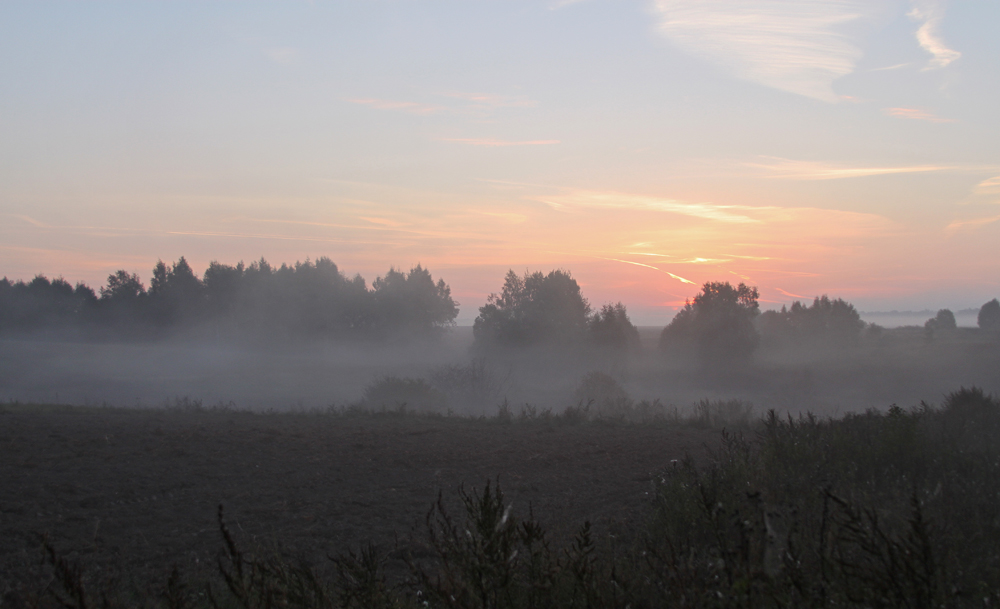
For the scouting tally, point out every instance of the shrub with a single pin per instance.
(472, 387)
(603, 391)
(393, 392)
(721, 414)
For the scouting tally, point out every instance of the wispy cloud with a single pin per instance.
(990, 186)
(492, 143)
(754, 258)
(401, 106)
(916, 114)
(614, 200)
(31, 221)
(382, 221)
(887, 68)
(970, 224)
(809, 170)
(930, 13)
(790, 46)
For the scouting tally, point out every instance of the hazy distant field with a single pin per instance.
(902, 366)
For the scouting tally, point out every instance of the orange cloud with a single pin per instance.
(990, 186)
(916, 114)
(624, 202)
(970, 224)
(810, 170)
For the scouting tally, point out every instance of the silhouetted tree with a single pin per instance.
(122, 301)
(989, 316)
(175, 294)
(123, 287)
(307, 299)
(944, 321)
(411, 303)
(718, 324)
(611, 328)
(826, 322)
(42, 304)
(323, 301)
(533, 309)
(222, 286)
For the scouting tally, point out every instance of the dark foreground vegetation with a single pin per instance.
(895, 509)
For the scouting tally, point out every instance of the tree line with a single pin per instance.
(723, 323)
(307, 299)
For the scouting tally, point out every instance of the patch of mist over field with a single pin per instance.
(275, 376)
(901, 366)
(965, 318)
(306, 336)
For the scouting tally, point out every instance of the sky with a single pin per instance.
(837, 147)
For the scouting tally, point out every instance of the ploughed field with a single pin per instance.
(129, 493)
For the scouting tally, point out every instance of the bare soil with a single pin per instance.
(133, 492)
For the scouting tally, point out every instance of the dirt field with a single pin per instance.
(127, 491)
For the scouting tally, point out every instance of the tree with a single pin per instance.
(411, 303)
(42, 304)
(718, 324)
(944, 321)
(175, 293)
(989, 316)
(611, 328)
(123, 287)
(533, 309)
(123, 299)
(222, 285)
(827, 321)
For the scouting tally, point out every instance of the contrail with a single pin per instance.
(790, 294)
(677, 277)
(648, 266)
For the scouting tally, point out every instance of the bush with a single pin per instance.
(891, 509)
(393, 392)
(723, 414)
(603, 394)
(472, 387)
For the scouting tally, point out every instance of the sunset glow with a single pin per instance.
(841, 148)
